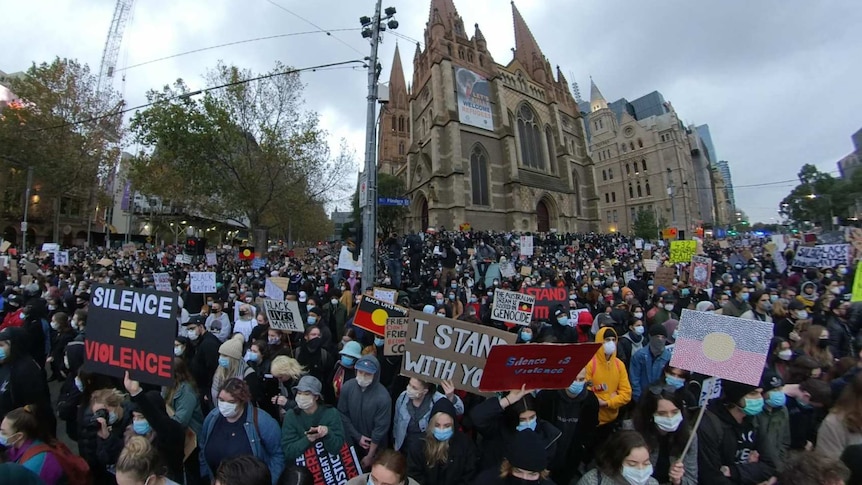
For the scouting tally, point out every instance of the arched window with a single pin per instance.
(643, 162)
(532, 154)
(401, 148)
(549, 140)
(577, 193)
(640, 143)
(632, 145)
(635, 165)
(631, 191)
(623, 147)
(479, 175)
(628, 169)
(648, 191)
(393, 123)
(604, 175)
(401, 124)
(640, 193)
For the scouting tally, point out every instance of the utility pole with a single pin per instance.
(26, 208)
(371, 29)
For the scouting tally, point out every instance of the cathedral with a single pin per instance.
(493, 146)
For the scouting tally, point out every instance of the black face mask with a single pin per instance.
(314, 344)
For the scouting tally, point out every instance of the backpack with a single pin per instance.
(75, 468)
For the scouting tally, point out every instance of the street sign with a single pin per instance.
(363, 191)
(393, 201)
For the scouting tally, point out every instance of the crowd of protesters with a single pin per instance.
(247, 401)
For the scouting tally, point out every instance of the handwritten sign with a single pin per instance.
(272, 290)
(202, 281)
(507, 270)
(857, 284)
(540, 366)
(526, 245)
(822, 256)
(162, 281)
(650, 265)
(211, 259)
(385, 294)
(700, 271)
(345, 261)
(548, 300)
(664, 276)
(61, 258)
(512, 307)
(329, 469)
(283, 315)
(183, 259)
(440, 349)
(396, 336)
(682, 251)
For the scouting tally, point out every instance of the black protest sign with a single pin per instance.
(329, 469)
(131, 329)
(547, 300)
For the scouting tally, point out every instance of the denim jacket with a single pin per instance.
(266, 447)
(402, 416)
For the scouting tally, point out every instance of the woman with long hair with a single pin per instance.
(390, 467)
(111, 416)
(140, 464)
(448, 455)
(524, 462)
(779, 355)
(660, 418)
(231, 365)
(624, 458)
(28, 445)
(843, 425)
(183, 406)
(815, 344)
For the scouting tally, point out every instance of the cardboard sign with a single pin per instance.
(283, 315)
(628, 276)
(512, 307)
(664, 276)
(345, 261)
(682, 251)
(857, 284)
(4, 246)
(330, 469)
(4, 262)
(650, 265)
(538, 366)
(272, 290)
(526, 245)
(162, 281)
(13, 270)
(547, 300)
(440, 349)
(396, 336)
(61, 258)
(211, 259)
(280, 281)
(372, 314)
(131, 329)
(202, 282)
(639, 243)
(386, 294)
(700, 271)
(526, 270)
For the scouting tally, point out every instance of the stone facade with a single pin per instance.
(531, 172)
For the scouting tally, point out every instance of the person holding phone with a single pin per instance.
(311, 420)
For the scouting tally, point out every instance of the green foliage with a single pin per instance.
(247, 152)
(389, 219)
(819, 196)
(645, 225)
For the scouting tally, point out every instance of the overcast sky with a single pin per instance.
(778, 81)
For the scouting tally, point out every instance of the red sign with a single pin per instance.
(547, 300)
(538, 366)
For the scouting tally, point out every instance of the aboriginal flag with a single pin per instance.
(372, 314)
(246, 253)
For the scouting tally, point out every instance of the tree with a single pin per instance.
(388, 218)
(645, 225)
(819, 197)
(247, 152)
(64, 129)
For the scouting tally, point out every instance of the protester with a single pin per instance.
(390, 467)
(843, 426)
(139, 464)
(27, 444)
(447, 456)
(367, 409)
(311, 420)
(660, 417)
(413, 412)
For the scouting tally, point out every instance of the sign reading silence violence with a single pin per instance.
(441, 349)
(132, 330)
(537, 366)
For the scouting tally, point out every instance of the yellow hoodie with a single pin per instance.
(609, 379)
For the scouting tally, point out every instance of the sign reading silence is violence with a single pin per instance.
(536, 366)
(131, 329)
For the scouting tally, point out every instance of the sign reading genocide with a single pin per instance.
(682, 251)
(372, 314)
(131, 329)
(396, 336)
(539, 366)
(441, 349)
(547, 300)
(512, 307)
(329, 469)
(283, 315)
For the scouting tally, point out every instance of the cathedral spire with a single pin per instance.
(527, 50)
(443, 12)
(397, 84)
(597, 101)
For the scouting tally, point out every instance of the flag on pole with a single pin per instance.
(720, 346)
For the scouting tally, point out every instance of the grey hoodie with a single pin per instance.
(367, 412)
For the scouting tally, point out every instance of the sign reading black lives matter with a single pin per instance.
(131, 329)
(442, 349)
(512, 307)
(283, 315)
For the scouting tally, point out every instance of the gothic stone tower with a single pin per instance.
(497, 146)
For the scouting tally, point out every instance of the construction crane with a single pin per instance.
(112, 44)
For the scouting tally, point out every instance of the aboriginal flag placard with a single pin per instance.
(372, 314)
(246, 253)
(131, 329)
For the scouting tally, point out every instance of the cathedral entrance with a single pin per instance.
(423, 214)
(543, 218)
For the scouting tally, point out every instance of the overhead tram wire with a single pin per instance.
(320, 67)
(228, 44)
(321, 29)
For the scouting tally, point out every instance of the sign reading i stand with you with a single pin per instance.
(131, 329)
(441, 349)
(202, 282)
(283, 315)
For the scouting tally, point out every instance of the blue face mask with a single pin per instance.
(443, 434)
(223, 362)
(563, 320)
(141, 427)
(378, 342)
(531, 425)
(753, 407)
(347, 361)
(802, 404)
(776, 399)
(745, 296)
(312, 320)
(674, 381)
(526, 337)
(576, 387)
(2, 354)
(685, 292)
(773, 298)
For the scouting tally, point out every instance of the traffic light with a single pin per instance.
(356, 248)
(195, 246)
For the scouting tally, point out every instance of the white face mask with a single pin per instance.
(413, 393)
(639, 315)
(785, 354)
(304, 402)
(610, 347)
(193, 335)
(364, 381)
(668, 425)
(668, 308)
(802, 315)
(334, 301)
(227, 409)
(54, 325)
(637, 476)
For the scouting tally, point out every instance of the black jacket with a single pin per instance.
(170, 434)
(205, 361)
(23, 382)
(459, 469)
(577, 419)
(722, 441)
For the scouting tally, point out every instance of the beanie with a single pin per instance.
(444, 406)
(657, 330)
(233, 347)
(735, 391)
(527, 451)
(585, 318)
(770, 380)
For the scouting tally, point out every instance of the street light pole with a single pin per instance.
(26, 208)
(371, 28)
